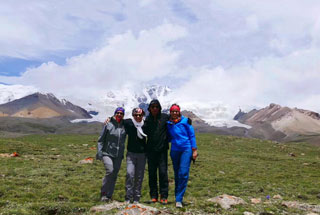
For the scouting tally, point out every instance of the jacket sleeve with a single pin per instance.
(192, 135)
(101, 140)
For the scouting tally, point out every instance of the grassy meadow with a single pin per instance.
(47, 179)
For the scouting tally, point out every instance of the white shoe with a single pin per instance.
(135, 202)
(105, 199)
(179, 205)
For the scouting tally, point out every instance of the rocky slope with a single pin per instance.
(281, 123)
(40, 105)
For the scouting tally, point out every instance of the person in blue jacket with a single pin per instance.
(183, 150)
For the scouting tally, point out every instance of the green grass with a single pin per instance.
(47, 179)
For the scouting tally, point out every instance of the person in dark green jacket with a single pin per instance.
(155, 127)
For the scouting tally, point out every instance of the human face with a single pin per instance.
(174, 114)
(154, 109)
(119, 115)
(138, 117)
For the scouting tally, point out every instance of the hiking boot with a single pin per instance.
(135, 202)
(164, 201)
(105, 199)
(179, 205)
(154, 200)
(127, 202)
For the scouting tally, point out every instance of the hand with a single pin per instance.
(194, 154)
(99, 155)
(107, 121)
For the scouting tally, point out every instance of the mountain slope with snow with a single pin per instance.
(9, 93)
(39, 105)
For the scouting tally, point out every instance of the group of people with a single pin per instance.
(148, 141)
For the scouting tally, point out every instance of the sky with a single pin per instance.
(239, 53)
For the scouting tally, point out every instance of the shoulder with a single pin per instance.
(127, 121)
(165, 116)
(184, 120)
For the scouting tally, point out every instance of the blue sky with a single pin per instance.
(242, 53)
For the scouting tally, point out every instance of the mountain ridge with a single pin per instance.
(40, 105)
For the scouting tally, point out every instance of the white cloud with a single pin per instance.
(124, 60)
(233, 53)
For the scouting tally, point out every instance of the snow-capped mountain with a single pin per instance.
(9, 93)
(101, 107)
(214, 114)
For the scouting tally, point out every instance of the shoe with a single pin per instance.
(105, 199)
(179, 205)
(154, 200)
(135, 202)
(127, 202)
(164, 201)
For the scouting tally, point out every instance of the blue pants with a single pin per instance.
(181, 165)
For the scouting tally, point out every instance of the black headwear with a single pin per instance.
(155, 102)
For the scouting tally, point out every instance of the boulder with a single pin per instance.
(226, 201)
(302, 206)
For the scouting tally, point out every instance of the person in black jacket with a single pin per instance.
(136, 156)
(155, 127)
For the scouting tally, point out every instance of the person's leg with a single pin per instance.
(130, 177)
(139, 174)
(108, 165)
(152, 170)
(163, 174)
(112, 178)
(175, 157)
(185, 160)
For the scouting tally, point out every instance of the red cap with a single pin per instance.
(175, 108)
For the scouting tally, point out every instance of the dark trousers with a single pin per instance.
(158, 162)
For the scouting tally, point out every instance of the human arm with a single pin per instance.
(192, 138)
(101, 140)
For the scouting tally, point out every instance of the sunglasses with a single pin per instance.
(119, 113)
(138, 115)
(155, 107)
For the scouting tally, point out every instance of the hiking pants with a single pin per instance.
(112, 166)
(158, 161)
(181, 165)
(136, 163)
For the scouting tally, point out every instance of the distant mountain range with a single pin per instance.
(40, 105)
(35, 112)
(282, 123)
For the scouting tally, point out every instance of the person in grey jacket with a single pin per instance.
(110, 151)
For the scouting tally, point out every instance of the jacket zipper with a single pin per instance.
(118, 142)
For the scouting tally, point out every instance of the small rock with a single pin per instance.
(140, 209)
(86, 160)
(108, 207)
(312, 214)
(301, 206)
(247, 213)
(302, 154)
(85, 144)
(221, 172)
(292, 154)
(5, 155)
(256, 201)
(226, 201)
(277, 196)
(306, 164)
